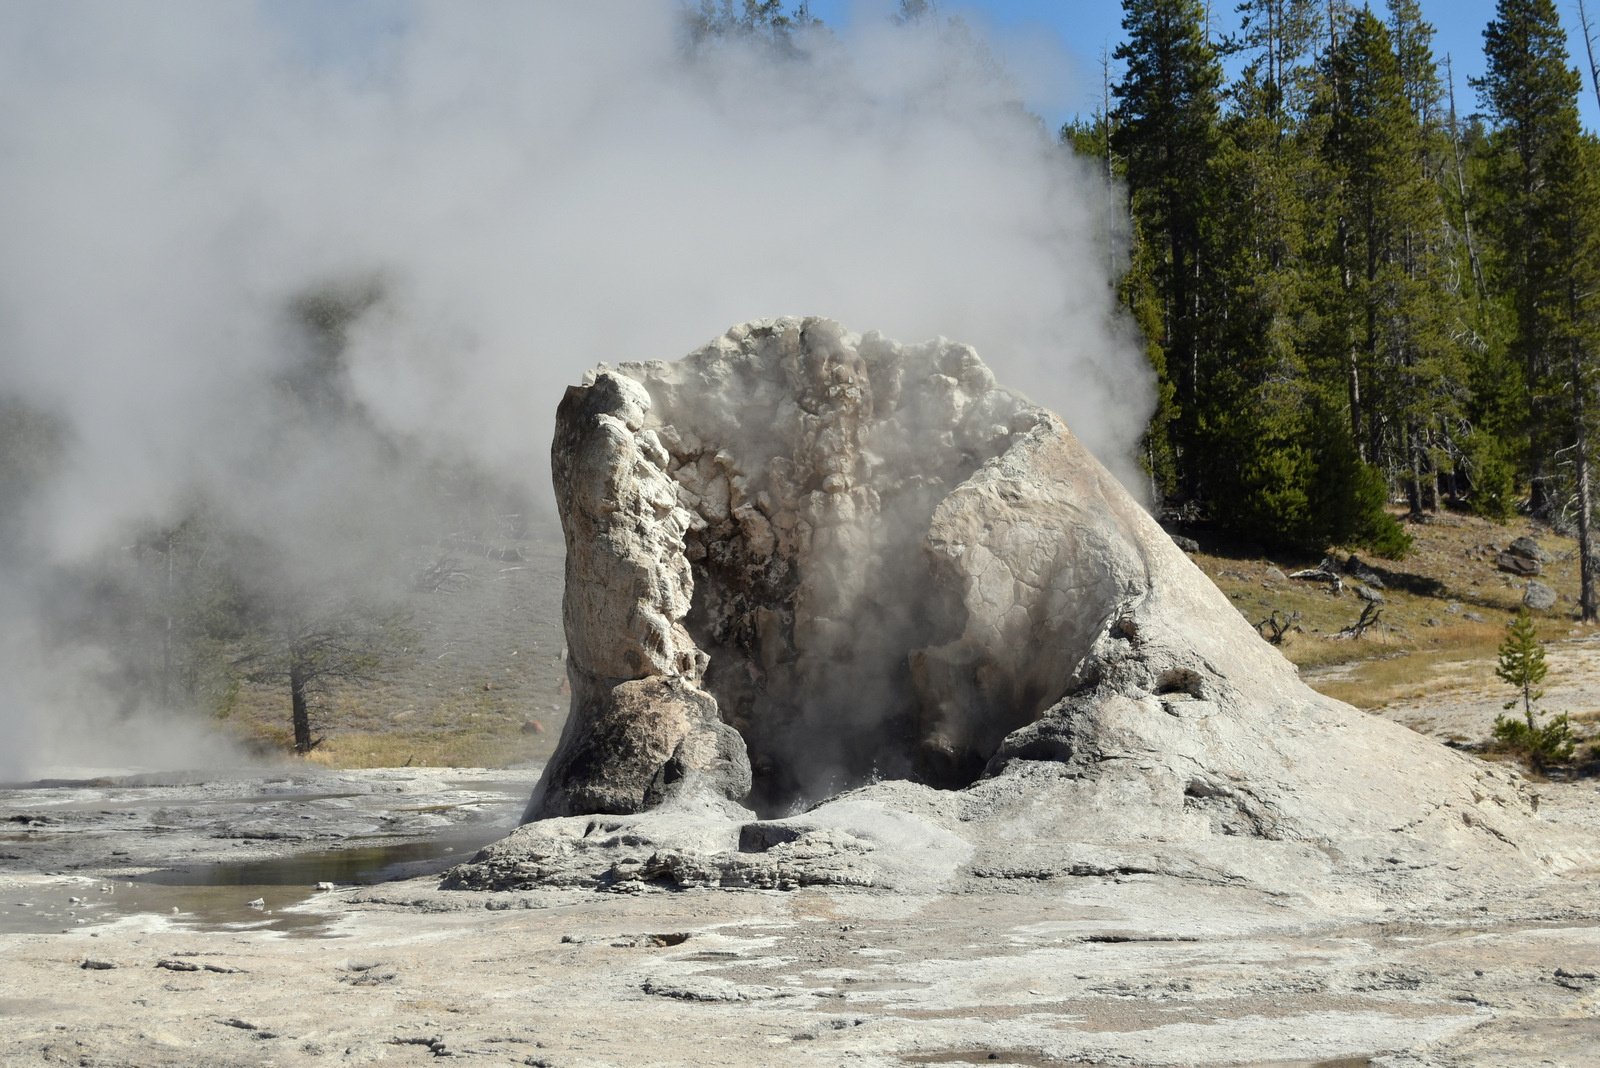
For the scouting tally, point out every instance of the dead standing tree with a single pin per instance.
(311, 647)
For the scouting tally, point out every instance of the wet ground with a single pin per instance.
(234, 849)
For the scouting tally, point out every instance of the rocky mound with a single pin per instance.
(802, 561)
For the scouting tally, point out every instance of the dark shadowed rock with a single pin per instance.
(1529, 549)
(1355, 567)
(1513, 564)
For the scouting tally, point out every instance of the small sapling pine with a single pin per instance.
(1522, 665)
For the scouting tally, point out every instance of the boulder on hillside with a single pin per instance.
(1358, 569)
(1539, 597)
(1512, 564)
(1529, 549)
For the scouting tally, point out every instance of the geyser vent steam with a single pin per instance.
(786, 520)
(534, 187)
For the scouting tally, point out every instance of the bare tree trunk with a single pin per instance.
(1588, 44)
(1414, 489)
(166, 633)
(301, 714)
(1586, 560)
(1480, 286)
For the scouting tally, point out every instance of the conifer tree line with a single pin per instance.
(1352, 291)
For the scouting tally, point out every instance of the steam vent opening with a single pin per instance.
(799, 560)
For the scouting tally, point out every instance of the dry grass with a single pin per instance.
(1424, 645)
(490, 662)
(461, 731)
(491, 746)
(1462, 657)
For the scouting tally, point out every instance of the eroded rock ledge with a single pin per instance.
(802, 561)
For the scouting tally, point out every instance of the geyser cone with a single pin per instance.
(831, 559)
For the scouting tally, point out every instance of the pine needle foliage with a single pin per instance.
(1352, 296)
(1522, 665)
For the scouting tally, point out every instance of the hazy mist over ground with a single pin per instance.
(533, 188)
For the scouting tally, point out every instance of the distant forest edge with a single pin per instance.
(1349, 291)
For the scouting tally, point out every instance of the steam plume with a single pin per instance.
(534, 187)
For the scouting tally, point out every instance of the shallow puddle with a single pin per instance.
(220, 896)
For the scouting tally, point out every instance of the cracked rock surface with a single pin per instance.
(905, 617)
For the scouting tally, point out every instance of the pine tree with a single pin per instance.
(1570, 324)
(1522, 662)
(1547, 213)
(1165, 130)
(1530, 92)
(1522, 665)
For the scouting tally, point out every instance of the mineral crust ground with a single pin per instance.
(1097, 969)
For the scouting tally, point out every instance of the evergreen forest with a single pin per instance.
(1357, 289)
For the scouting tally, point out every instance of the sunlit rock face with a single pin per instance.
(809, 566)
(844, 541)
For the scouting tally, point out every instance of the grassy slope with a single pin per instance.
(1425, 642)
(484, 691)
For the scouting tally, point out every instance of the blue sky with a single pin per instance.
(1057, 42)
(1081, 28)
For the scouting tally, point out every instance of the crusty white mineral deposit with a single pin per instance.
(842, 611)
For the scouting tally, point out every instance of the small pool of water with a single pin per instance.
(220, 896)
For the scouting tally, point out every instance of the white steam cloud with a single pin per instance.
(537, 187)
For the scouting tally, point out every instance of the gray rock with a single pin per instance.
(1453, 608)
(1188, 545)
(640, 727)
(1538, 596)
(1529, 549)
(1512, 564)
(1368, 594)
(1274, 575)
(1473, 617)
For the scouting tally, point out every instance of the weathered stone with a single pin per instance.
(641, 728)
(1539, 597)
(1517, 565)
(1188, 545)
(1529, 549)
